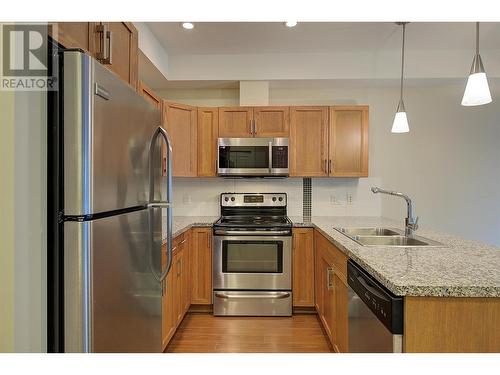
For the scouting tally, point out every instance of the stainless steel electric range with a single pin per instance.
(252, 256)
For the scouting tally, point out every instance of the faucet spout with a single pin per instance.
(411, 222)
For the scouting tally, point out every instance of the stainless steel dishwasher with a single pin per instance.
(375, 314)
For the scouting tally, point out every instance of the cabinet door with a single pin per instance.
(328, 299)
(201, 266)
(180, 122)
(235, 122)
(185, 269)
(348, 141)
(341, 334)
(168, 313)
(122, 42)
(75, 35)
(181, 270)
(308, 141)
(303, 267)
(318, 280)
(208, 130)
(271, 121)
(149, 94)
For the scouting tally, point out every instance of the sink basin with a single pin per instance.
(350, 232)
(386, 237)
(393, 241)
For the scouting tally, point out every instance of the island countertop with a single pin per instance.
(461, 268)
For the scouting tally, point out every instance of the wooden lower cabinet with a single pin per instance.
(201, 266)
(331, 291)
(451, 325)
(303, 267)
(176, 298)
(168, 322)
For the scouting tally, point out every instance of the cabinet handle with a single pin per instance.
(324, 166)
(105, 55)
(251, 127)
(254, 127)
(109, 59)
(330, 166)
(102, 29)
(329, 278)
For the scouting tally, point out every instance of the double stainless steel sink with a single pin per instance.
(386, 237)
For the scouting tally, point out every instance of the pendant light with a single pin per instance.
(477, 91)
(400, 124)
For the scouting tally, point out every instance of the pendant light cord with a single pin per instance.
(402, 62)
(477, 38)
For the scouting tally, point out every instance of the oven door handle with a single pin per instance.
(267, 295)
(251, 232)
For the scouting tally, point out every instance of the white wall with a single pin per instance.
(23, 223)
(448, 163)
(200, 196)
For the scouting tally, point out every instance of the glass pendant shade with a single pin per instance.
(477, 91)
(400, 124)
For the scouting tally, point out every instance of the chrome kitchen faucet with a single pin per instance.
(411, 223)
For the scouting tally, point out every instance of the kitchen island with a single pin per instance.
(451, 293)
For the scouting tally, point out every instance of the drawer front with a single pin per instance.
(252, 303)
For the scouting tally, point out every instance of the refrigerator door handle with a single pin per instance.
(161, 204)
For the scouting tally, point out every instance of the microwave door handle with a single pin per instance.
(160, 204)
(270, 157)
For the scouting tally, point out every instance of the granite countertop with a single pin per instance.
(462, 268)
(183, 223)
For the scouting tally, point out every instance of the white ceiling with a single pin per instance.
(219, 55)
(319, 37)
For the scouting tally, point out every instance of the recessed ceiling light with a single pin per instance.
(291, 23)
(188, 25)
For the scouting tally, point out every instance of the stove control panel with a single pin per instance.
(253, 199)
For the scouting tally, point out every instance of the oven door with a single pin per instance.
(252, 262)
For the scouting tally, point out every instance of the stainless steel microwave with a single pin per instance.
(252, 157)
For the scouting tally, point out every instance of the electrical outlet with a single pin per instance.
(349, 198)
(186, 199)
(334, 200)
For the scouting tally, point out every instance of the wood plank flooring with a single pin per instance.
(204, 333)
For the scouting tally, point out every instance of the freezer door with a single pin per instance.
(112, 298)
(107, 130)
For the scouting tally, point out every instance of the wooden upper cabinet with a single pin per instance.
(271, 121)
(117, 48)
(348, 141)
(149, 94)
(235, 122)
(113, 44)
(208, 130)
(308, 141)
(303, 267)
(179, 120)
(75, 35)
(246, 122)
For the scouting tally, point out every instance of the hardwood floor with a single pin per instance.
(204, 333)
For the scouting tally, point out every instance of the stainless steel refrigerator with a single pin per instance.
(105, 262)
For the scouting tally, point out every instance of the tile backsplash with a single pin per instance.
(330, 197)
